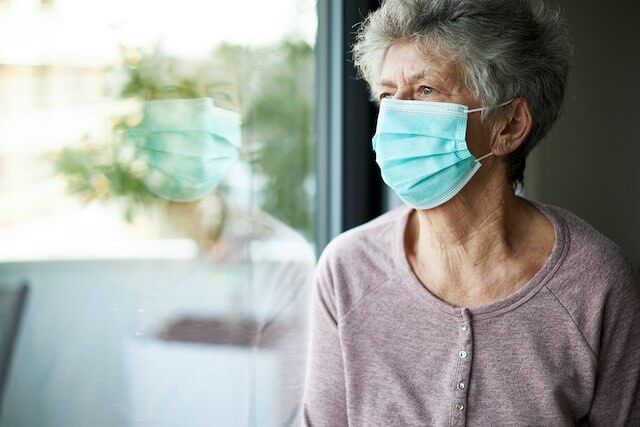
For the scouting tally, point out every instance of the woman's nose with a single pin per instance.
(404, 93)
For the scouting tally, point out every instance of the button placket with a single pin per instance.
(461, 383)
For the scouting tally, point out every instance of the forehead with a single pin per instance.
(409, 60)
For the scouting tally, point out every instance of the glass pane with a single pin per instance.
(157, 198)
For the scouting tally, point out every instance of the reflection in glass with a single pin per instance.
(185, 147)
(170, 298)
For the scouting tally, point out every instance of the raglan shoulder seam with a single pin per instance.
(357, 304)
(559, 212)
(332, 257)
(593, 353)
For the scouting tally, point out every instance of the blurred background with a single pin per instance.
(142, 311)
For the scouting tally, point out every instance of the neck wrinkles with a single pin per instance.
(469, 230)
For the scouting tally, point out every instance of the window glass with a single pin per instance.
(157, 193)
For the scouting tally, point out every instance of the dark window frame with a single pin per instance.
(349, 187)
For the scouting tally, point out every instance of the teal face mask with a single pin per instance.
(422, 152)
(187, 145)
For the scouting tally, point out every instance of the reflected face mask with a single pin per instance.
(188, 146)
(422, 151)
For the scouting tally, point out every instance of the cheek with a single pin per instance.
(478, 136)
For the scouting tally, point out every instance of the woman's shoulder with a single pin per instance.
(586, 242)
(596, 283)
(375, 239)
(359, 260)
(594, 263)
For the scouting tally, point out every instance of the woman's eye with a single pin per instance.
(385, 95)
(426, 90)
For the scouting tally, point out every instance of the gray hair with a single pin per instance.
(506, 49)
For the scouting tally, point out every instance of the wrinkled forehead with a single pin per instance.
(411, 61)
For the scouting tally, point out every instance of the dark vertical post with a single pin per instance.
(349, 188)
(362, 195)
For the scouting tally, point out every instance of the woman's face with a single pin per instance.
(411, 73)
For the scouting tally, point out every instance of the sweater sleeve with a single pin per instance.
(616, 399)
(324, 399)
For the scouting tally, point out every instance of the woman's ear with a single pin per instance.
(514, 127)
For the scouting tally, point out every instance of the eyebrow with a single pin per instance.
(412, 78)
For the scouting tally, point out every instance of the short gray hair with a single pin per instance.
(506, 48)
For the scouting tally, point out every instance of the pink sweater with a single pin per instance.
(562, 350)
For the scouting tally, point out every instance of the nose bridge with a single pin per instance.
(404, 92)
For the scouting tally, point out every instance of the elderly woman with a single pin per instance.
(470, 305)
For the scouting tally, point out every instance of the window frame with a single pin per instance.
(349, 187)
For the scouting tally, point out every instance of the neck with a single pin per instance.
(484, 224)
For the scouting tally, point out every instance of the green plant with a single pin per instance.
(273, 85)
(278, 97)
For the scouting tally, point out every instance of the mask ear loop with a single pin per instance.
(484, 157)
(487, 108)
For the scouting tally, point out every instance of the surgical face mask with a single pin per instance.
(422, 151)
(187, 145)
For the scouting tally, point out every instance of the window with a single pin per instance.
(143, 310)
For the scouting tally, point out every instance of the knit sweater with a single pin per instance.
(564, 349)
